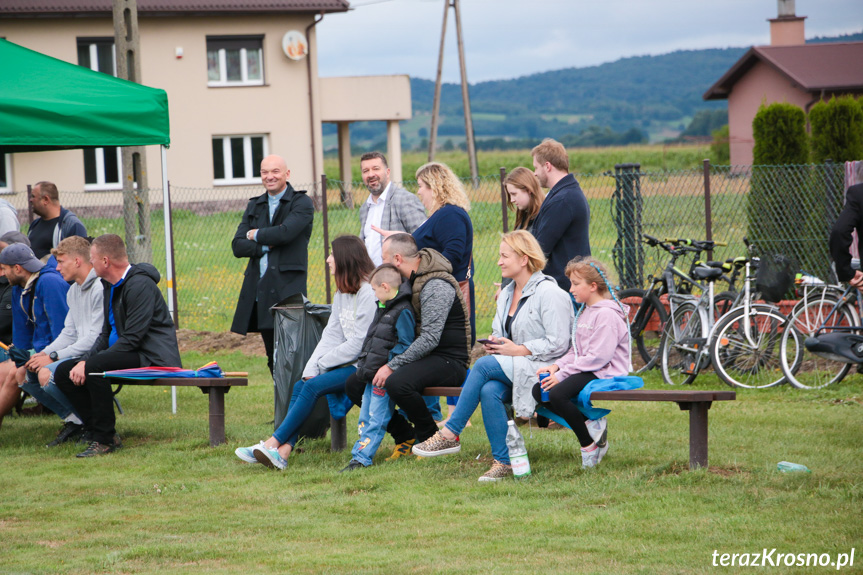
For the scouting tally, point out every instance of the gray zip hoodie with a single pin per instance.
(84, 320)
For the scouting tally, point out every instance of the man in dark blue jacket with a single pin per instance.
(137, 332)
(562, 225)
(38, 315)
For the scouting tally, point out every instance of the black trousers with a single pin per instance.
(399, 427)
(94, 401)
(560, 402)
(267, 335)
(406, 384)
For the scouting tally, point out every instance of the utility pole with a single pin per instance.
(136, 202)
(465, 96)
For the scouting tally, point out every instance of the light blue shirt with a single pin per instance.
(272, 204)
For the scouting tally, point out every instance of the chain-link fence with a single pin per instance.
(786, 209)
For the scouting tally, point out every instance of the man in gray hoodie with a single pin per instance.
(82, 327)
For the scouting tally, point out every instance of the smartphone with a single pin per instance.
(487, 342)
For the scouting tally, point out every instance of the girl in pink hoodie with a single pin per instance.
(600, 349)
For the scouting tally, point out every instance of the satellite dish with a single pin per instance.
(294, 45)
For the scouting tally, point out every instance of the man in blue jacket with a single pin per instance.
(562, 225)
(38, 315)
(54, 222)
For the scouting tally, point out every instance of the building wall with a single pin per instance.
(279, 109)
(762, 84)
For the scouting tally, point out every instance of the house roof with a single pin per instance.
(831, 67)
(103, 8)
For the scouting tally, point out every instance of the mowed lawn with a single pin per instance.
(168, 503)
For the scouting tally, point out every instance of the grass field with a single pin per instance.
(167, 503)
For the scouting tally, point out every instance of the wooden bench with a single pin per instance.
(696, 402)
(215, 387)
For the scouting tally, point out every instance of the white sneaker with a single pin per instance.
(598, 430)
(246, 453)
(589, 458)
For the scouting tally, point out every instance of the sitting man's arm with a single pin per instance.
(435, 302)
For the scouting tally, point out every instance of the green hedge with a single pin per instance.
(837, 130)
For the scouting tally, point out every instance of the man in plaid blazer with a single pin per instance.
(388, 207)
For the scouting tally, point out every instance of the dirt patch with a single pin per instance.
(211, 341)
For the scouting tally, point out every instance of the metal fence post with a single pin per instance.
(326, 234)
(504, 211)
(626, 209)
(708, 214)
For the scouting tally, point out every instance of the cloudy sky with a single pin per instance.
(511, 38)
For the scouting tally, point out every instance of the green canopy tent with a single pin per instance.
(48, 104)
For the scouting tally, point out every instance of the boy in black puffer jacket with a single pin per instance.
(391, 332)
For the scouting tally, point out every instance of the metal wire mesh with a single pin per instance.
(787, 209)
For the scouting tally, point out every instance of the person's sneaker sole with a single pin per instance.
(263, 457)
(446, 451)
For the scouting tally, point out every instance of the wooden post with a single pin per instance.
(465, 98)
(437, 87)
(503, 202)
(136, 202)
(326, 234)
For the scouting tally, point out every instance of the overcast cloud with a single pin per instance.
(511, 38)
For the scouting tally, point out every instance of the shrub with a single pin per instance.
(785, 208)
(720, 151)
(837, 130)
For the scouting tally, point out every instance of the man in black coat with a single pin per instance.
(562, 225)
(137, 331)
(274, 234)
(849, 221)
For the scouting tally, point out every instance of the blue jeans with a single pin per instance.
(488, 385)
(50, 396)
(303, 399)
(375, 415)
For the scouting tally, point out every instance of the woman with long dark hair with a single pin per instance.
(335, 356)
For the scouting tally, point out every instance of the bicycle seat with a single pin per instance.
(705, 273)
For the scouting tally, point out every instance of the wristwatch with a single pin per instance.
(53, 356)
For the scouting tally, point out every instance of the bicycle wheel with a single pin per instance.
(814, 371)
(647, 317)
(681, 340)
(723, 302)
(754, 361)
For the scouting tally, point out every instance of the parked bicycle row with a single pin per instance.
(683, 323)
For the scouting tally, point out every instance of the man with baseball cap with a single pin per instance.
(38, 315)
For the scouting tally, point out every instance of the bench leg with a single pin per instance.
(338, 433)
(217, 415)
(698, 434)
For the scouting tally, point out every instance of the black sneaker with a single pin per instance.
(354, 464)
(95, 448)
(69, 432)
(86, 439)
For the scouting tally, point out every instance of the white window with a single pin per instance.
(5, 173)
(237, 159)
(235, 61)
(102, 166)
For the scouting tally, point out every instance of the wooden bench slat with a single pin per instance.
(662, 395)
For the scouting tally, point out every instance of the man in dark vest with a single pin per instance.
(274, 234)
(440, 354)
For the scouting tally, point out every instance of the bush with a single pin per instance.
(720, 151)
(837, 130)
(786, 206)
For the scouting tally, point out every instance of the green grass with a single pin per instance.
(168, 503)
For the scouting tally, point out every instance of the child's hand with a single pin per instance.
(381, 376)
(548, 369)
(549, 382)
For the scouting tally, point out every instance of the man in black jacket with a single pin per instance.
(274, 234)
(137, 332)
(561, 226)
(841, 238)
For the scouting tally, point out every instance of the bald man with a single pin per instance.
(274, 234)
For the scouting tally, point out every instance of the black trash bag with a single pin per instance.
(298, 327)
(775, 277)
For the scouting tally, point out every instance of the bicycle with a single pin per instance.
(744, 345)
(650, 315)
(825, 312)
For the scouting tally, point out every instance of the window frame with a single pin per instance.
(227, 159)
(7, 165)
(223, 81)
(101, 184)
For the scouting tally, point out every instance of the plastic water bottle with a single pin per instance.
(517, 451)
(788, 467)
(543, 394)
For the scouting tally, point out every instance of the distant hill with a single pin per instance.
(631, 99)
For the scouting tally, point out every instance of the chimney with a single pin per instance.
(787, 28)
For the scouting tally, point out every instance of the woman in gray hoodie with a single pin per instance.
(335, 356)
